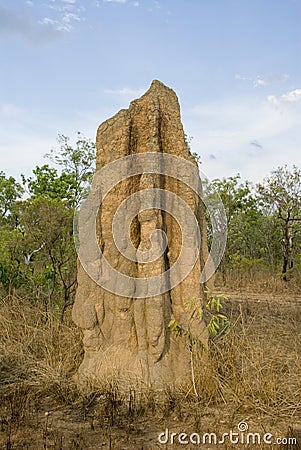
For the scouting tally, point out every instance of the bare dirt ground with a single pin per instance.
(254, 379)
(67, 431)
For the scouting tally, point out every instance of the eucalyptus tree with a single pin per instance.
(281, 194)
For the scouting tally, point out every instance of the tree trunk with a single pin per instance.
(284, 267)
(287, 249)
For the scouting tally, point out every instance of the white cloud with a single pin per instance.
(273, 100)
(67, 14)
(64, 23)
(68, 17)
(264, 81)
(290, 97)
(293, 96)
(242, 78)
(126, 91)
(66, 6)
(114, 1)
(47, 21)
(260, 81)
(246, 135)
(134, 3)
(14, 23)
(64, 27)
(29, 3)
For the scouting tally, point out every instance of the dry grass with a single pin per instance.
(257, 365)
(252, 373)
(38, 353)
(260, 279)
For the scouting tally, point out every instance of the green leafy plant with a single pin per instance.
(217, 323)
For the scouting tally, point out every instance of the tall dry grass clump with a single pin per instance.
(256, 365)
(38, 353)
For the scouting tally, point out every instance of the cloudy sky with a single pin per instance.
(67, 65)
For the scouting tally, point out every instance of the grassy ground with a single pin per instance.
(253, 375)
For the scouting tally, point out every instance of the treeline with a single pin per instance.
(264, 228)
(37, 252)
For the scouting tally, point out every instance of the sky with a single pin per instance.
(68, 65)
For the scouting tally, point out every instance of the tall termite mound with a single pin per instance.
(126, 336)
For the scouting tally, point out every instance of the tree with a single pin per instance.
(281, 192)
(10, 238)
(236, 196)
(47, 226)
(12, 271)
(37, 252)
(10, 192)
(77, 166)
(242, 215)
(47, 183)
(78, 163)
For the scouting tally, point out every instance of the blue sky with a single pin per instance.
(67, 65)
